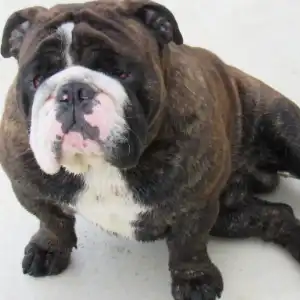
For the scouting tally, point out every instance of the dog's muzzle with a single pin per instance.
(83, 115)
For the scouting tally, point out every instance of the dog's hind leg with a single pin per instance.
(271, 222)
(277, 128)
(280, 129)
(272, 124)
(271, 121)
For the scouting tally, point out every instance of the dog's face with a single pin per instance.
(90, 79)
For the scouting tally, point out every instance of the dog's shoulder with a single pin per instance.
(202, 87)
(13, 130)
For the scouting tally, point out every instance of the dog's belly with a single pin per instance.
(107, 202)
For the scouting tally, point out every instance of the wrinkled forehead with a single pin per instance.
(81, 28)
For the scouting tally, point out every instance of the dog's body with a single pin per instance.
(177, 155)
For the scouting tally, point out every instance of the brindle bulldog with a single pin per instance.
(111, 116)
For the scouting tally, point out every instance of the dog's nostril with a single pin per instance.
(63, 94)
(82, 91)
(75, 91)
(85, 94)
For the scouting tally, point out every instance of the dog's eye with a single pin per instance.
(37, 80)
(122, 74)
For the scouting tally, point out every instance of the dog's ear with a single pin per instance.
(161, 21)
(15, 29)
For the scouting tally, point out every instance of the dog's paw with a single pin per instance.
(199, 287)
(39, 262)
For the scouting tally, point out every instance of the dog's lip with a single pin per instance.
(62, 140)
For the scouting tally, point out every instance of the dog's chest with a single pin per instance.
(108, 202)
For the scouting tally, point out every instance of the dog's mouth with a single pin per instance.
(77, 155)
(76, 143)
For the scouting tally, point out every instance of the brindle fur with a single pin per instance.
(218, 138)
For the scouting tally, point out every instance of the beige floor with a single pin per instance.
(262, 37)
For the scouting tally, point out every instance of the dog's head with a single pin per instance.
(91, 79)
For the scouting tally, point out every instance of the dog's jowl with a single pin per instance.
(113, 117)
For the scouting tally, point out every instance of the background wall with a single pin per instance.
(262, 38)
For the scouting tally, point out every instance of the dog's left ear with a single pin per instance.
(161, 21)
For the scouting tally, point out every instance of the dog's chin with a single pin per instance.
(70, 152)
(79, 163)
(74, 163)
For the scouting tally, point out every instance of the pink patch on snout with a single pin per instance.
(75, 143)
(104, 116)
(50, 97)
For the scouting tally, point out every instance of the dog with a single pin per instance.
(111, 116)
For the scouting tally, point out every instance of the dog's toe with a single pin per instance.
(39, 262)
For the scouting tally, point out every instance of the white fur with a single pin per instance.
(107, 201)
(43, 114)
(40, 142)
(66, 31)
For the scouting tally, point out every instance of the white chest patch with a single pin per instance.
(107, 202)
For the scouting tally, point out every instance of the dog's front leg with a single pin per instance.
(49, 249)
(194, 276)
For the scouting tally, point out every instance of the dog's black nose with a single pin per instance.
(75, 92)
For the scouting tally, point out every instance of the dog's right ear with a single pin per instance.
(15, 29)
(159, 19)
